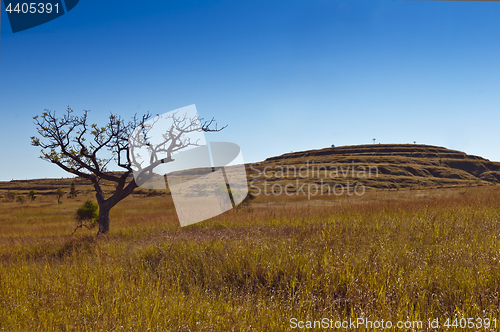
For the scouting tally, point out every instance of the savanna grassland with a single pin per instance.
(399, 255)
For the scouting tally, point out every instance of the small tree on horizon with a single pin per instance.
(32, 195)
(59, 193)
(72, 190)
(86, 149)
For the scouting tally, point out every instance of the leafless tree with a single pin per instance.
(87, 150)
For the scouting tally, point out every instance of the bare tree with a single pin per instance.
(86, 149)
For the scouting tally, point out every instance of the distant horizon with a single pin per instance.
(256, 162)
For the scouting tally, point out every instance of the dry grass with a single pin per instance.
(392, 255)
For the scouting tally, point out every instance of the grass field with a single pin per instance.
(406, 255)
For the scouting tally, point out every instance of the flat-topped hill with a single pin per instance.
(391, 166)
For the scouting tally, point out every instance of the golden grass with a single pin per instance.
(398, 255)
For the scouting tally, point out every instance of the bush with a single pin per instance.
(32, 195)
(154, 192)
(59, 193)
(20, 199)
(245, 203)
(250, 196)
(11, 196)
(72, 190)
(86, 215)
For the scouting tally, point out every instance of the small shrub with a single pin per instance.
(11, 196)
(32, 195)
(245, 203)
(153, 192)
(20, 199)
(250, 196)
(59, 194)
(86, 215)
(72, 190)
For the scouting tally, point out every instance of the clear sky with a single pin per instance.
(284, 75)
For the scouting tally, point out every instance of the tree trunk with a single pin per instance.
(103, 218)
(105, 205)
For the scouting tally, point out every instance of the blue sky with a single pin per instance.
(283, 75)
